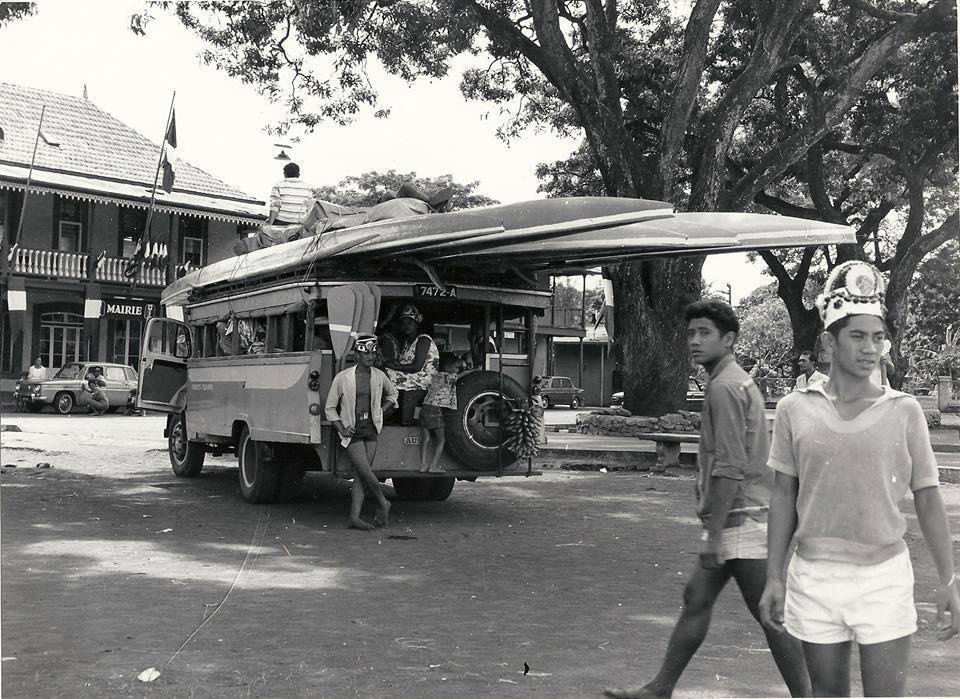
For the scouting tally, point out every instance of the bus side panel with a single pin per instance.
(275, 401)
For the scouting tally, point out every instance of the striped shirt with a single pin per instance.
(289, 198)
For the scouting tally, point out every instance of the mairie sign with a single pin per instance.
(128, 308)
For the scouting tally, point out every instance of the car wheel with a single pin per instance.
(576, 402)
(63, 403)
(186, 457)
(546, 401)
(258, 476)
(473, 429)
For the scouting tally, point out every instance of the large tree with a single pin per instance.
(660, 103)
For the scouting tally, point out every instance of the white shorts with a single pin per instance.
(748, 540)
(833, 602)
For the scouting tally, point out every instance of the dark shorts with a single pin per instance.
(364, 431)
(431, 417)
(409, 400)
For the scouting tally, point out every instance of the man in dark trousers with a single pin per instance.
(733, 497)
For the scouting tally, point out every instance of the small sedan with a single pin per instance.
(66, 390)
(559, 390)
(694, 393)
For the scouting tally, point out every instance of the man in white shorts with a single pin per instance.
(733, 496)
(845, 453)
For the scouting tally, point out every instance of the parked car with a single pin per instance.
(65, 390)
(559, 390)
(694, 392)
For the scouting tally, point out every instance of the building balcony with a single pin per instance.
(54, 264)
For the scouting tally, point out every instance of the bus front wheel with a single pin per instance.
(186, 457)
(259, 478)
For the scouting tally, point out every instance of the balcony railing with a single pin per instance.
(50, 263)
(74, 265)
(111, 269)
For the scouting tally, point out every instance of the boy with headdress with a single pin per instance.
(845, 452)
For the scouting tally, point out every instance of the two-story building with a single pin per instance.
(65, 296)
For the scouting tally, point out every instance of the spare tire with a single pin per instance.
(473, 429)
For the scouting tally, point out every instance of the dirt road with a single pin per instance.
(112, 565)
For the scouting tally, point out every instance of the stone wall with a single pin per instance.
(616, 422)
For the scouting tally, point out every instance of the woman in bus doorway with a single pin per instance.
(355, 407)
(415, 364)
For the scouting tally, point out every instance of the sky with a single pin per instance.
(431, 129)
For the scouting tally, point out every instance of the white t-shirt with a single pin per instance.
(852, 473)
(804, 382)
(35, 373)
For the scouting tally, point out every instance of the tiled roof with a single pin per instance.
(92, 143)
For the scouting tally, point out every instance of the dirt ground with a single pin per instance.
(112, 565)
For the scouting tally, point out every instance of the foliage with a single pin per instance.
(765, 332)
(567, 296)
(366, 189)
(934, 300)
(11, 11)
(711, 113)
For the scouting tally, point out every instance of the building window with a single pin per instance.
(72, 216)
(193, 241)
(123, 336)
(131, 224)
(61, 337)
(11, 206)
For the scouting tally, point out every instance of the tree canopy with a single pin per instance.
(733, 107)
(367, 189)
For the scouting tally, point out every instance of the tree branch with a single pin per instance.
(878, 13)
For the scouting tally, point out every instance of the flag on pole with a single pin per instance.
(170, 154)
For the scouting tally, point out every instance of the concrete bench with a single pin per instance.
(668, 446)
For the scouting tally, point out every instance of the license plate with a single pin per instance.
(428, 290)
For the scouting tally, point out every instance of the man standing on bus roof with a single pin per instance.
(355, 408)
(289, 197)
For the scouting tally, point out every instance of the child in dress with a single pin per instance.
(441, 398)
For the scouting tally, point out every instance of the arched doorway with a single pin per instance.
(61, 338)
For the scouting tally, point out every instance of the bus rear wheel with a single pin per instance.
(424, 489)
(259, 478)
(186, 457)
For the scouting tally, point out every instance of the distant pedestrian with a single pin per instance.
(94, 385)
(289, 198)
(36, 372)
(807, 361)
(845, 453)
(733, 496)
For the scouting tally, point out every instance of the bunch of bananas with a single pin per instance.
(523, 424)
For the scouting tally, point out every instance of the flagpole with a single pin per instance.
(156, 179)
(26, 192)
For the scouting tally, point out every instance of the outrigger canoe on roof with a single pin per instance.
(543, 235)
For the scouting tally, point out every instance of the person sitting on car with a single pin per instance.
(413, 366)
(94, 385)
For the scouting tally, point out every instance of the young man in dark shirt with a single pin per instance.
(733, 496)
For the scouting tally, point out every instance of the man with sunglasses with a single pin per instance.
(355, 407)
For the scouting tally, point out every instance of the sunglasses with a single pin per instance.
(366, 346)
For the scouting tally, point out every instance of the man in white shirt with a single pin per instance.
(808, 371)
(289, 197)
(36, 372)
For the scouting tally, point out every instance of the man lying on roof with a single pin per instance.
(408, 201)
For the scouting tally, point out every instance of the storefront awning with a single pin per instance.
(132, 194)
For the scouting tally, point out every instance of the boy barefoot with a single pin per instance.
(441, 397)
(845, 453)
(733, 495)
(355, 408)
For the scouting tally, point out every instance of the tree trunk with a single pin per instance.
(650, 298)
